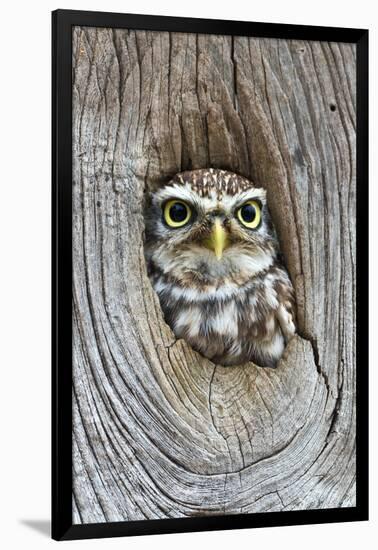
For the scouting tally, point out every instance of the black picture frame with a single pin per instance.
(62, 23)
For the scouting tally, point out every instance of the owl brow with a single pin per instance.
(250, 196)
(177, 194)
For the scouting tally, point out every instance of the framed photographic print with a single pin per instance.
(210, 203)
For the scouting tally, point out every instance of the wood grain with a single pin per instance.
(159, 431)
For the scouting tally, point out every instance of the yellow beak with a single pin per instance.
(218, 238)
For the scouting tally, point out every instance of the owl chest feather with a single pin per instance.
(228, 325)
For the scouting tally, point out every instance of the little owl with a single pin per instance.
(213, 258)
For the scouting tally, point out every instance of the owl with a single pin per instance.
(214, 261)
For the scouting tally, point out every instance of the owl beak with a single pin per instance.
(218, 238)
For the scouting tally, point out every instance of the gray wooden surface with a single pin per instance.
(158, 430)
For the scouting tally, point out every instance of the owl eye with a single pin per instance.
(176, 213)
(250, 214)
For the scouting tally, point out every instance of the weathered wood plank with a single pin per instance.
(158, 430)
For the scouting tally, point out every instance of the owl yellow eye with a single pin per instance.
(176, 213)
(250, 214)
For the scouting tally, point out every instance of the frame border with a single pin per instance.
(62, 23)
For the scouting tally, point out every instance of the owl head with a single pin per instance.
(206, 226)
